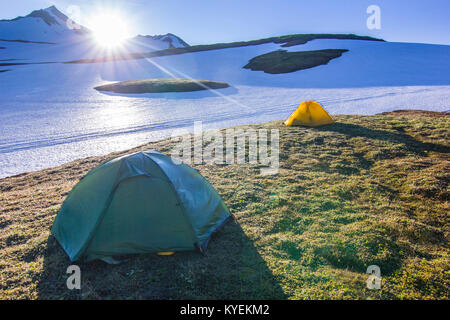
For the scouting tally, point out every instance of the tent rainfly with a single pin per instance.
(309, 113)
(138, 203)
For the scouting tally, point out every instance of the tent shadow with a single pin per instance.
(415, 146)
(231, 269)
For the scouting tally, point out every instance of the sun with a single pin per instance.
(109, 29)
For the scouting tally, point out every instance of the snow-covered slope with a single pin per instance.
(366, 64)
(50, 113)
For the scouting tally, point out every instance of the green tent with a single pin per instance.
(138, 203)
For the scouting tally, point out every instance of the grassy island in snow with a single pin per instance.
(161, 85)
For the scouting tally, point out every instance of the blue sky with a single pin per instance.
(209, 21)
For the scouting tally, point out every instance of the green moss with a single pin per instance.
(161, 85)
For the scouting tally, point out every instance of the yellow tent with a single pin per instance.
(309, 113)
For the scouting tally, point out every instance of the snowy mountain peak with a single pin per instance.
(172, 40)
(50, 15)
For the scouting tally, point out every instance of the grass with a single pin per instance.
(161, 85)
(287, 41)
(282, 61)
(365, 190)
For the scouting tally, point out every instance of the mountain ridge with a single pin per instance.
(51, 25)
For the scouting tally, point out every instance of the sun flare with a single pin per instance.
(109, 29)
